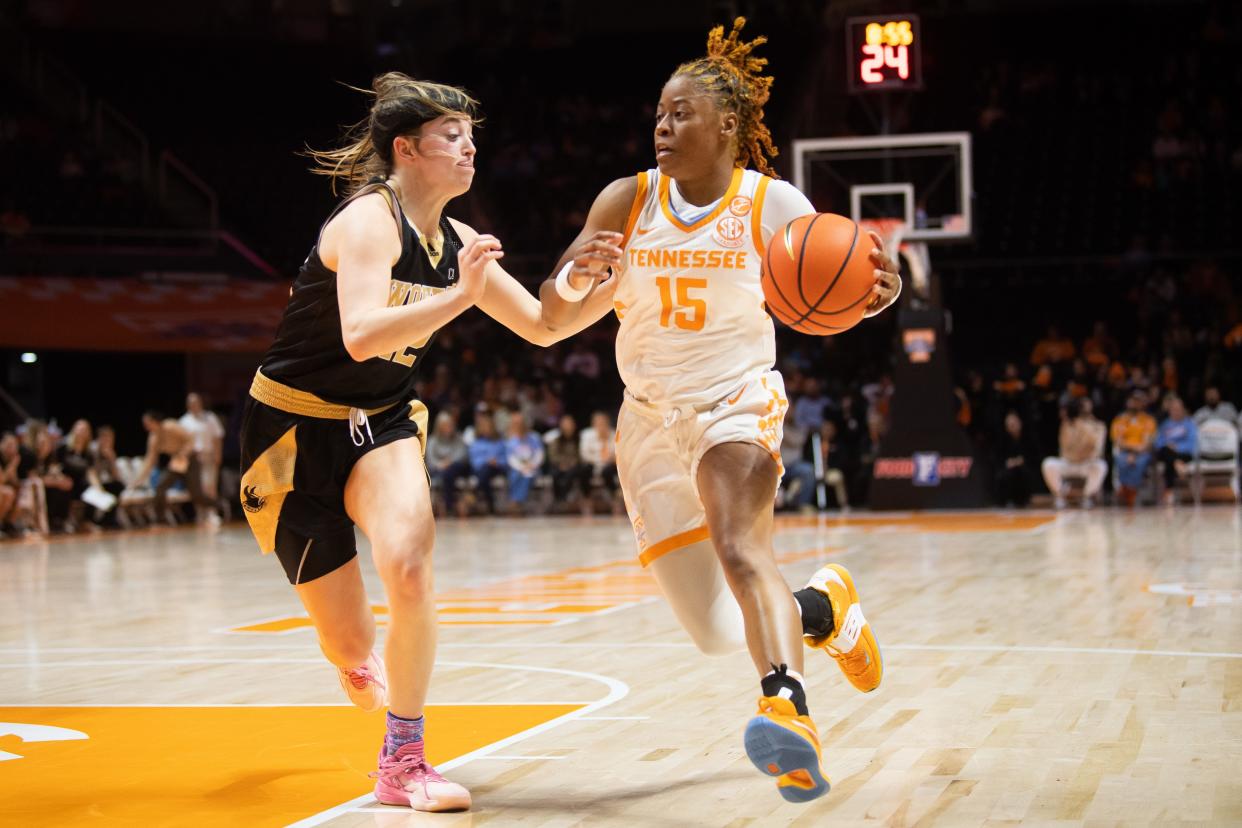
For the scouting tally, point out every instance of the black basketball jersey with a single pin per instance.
(309, 352)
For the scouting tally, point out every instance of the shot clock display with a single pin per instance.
(883, 53)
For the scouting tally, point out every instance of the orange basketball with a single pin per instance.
(817, 277)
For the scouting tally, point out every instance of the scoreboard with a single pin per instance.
(883, 53)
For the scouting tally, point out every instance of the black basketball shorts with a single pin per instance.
(294, 471)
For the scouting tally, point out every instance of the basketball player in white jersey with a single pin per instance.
(699, 433)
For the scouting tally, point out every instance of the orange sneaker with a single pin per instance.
(783, 744)
(851, 642)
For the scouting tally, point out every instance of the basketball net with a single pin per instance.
(891, 231)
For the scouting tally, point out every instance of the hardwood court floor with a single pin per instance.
(1073, 669)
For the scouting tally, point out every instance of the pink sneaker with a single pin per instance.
(405, 778)
(367, 686)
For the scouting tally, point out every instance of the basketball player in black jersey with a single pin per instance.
(325, 437)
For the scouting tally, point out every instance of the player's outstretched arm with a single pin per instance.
(361, 245)
(509, 303)
(587, 261)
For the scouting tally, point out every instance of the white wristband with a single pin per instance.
(567, 291)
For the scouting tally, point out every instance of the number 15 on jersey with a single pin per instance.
(677, 307)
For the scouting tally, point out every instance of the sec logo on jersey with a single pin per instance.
(730, 232)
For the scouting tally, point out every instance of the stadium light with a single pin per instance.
(30, 358)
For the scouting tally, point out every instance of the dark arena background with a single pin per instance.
(1032, 459)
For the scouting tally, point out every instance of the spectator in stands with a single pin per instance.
(1081, 441)
(810, 409)
(74, 458)
(1214, 408)
(1054, 348)
(167, 437)
(10, 479)
(524, 454)
(29, 434)
(1099, 348)
(28, 513)
(571, 477)
(582, 361)
(104, 474)
(832, 461)
(487, 456)
(1080, 385)
(797, 490)
(1175, 446)
(879, 395)
(1115, 391)
(57, 485)
(447, 459)
(204, 426)
(1010, 388)
(1169, 378)
(1133, 432)
(1015, 462)
(598, 448)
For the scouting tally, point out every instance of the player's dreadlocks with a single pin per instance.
(402, 105)
(732, 76)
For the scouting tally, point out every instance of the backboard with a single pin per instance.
(923, 179)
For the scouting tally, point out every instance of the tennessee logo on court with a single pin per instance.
(730, 232)
(739, 206)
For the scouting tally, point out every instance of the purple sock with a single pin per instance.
(402, 732)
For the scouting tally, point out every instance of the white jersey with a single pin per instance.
(693, 324)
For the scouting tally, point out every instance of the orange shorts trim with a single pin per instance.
(672, 544)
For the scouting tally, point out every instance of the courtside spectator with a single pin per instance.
(28, 512)
(1133, 433)
(75, 459)
(10, 480)
(524, 454)
(1015, 463)
(1175, 446)
(598, 448)
(571, 477)
(1081, 441)
(487, 456)
(810, 409)
(832, 460)
(797, 489)
(167, 437)
(57, 485)
(1215, 408)
(105, 474)
(447, 458)
(203, 424)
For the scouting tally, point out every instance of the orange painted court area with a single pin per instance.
(252, 766)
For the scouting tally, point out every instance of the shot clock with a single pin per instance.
(883, 53)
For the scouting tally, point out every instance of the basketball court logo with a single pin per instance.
(739, 206)
(730, 232)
